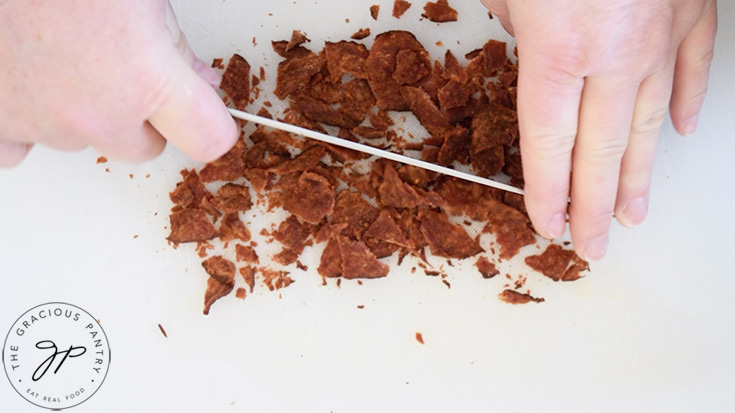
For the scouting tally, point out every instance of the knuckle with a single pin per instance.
(607, 152)
(548, 147)
(637, 182)
(704, 61)
(649, 124)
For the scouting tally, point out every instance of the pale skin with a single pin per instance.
(115, 75)
(595, 83)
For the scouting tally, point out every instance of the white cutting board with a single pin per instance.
(651, 328)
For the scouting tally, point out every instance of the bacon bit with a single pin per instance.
(297, 38)
(558, 264)
(101, 159)
(191, 225)
(419, 337)
(221, 280)
(248, 274)
(236, 81)
(400, 7)
(374, 11)
(274, 279)
(514, 297)
(440, 12)
(361, 34)
(217, 63)
(160, 327)
(486, 268)
(241, 293)
(361, 306)
(447, 283)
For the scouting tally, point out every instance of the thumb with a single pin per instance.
(191, 115)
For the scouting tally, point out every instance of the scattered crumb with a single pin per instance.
(514, 297)
(101, 159)
(160, 327)
(419, 337)
(241, 293)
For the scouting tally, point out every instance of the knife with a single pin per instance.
(286, 127)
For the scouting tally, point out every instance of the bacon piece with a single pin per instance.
(384, 229)
(246, 253)
(311, 199)
(381, 64)
(400, 7)
(374, 11)
(486, 268)
(345, 57)
(297, 38)
(191, 225)
(295, 73)
(232, 198)
(420, 103)
(514, 297)
(446, 239)
(229, 167)
(236, 81)
(440, 12)
(361, 34)
(358, 261)
(232, 228)
(558, 264)
(221, 280)
(330, 264)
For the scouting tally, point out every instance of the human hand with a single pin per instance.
(595, 80)
(118, 76)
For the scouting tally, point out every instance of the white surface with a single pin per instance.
(651, 328)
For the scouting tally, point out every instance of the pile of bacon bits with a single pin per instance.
(365, 209)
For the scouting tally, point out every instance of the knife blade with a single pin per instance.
(286, 127)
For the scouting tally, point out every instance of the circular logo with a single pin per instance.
(56, 355)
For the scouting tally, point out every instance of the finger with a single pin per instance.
(136, 145)
(606, 113)
(548, 107)
(651, 105)
(12, 153)
(692, 72)
(191, 115)
(179, 40)
(499, 9)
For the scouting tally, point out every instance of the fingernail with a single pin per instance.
(596, 248)
(634, 212)
(690, 126)
(206, 73)
(555, 226)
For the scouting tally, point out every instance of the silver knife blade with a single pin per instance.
(286, 127)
